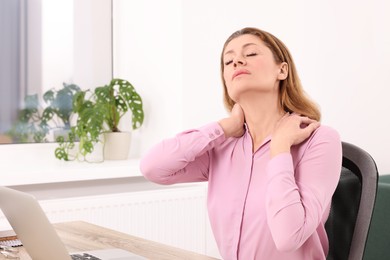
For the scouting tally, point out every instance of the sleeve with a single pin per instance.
(184, 158)
(298, 198)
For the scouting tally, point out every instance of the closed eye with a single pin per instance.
(247, 55)
(228, 62)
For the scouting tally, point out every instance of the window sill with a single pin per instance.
(25, 164)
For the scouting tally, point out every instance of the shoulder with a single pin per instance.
(325, 134)
(324, 140)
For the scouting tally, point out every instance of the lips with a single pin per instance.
(239, 72)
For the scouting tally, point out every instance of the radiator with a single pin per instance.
(175, 216)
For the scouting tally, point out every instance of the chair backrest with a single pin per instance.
(352, 205)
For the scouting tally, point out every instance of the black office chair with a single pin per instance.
(352, 205)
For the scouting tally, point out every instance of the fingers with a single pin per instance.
(233, 126)
(306, 120)
(302, 119)
(311, 127)
(298, 127)
(292, 129)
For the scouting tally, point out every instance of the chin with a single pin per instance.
(233, 95)
(238, 90)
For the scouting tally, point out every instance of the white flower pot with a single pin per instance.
(116, 145)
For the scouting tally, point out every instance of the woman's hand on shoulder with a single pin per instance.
(233, 126)
(291, 129)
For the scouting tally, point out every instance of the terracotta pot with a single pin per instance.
(116, 145)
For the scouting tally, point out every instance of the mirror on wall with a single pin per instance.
(49, 50)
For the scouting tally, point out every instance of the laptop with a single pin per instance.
(39, 237)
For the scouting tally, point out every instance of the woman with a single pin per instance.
(271, 168)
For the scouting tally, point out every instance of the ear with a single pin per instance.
(283, 71)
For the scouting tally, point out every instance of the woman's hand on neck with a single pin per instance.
(233, 126)
(292, 129)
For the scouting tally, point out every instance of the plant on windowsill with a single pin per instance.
(36, 119)
(30, 125)
(99, 113)
(59, 107)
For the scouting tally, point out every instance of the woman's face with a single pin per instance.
(249, 66)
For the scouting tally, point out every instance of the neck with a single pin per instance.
(262, 112)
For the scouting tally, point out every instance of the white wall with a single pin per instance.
(57, 43)
(76, 44)
(148, 53)
(92, 43)
(171, 53)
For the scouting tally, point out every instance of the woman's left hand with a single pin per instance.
(291, 129)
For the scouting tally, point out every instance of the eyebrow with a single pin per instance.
(244, 46)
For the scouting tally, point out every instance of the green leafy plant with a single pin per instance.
(99, 111)
(37, 118)
(60, 104)
(30, 127)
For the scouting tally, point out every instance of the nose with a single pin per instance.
(239, 60)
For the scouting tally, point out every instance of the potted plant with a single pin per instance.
(36, 119)
(59, 107)
(30, 127)
(99, 112)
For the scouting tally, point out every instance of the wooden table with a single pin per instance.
(81, 236)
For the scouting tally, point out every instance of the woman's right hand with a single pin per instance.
(233, 126)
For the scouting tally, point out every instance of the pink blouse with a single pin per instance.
(259, 207)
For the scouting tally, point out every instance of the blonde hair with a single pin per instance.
(292, 97)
